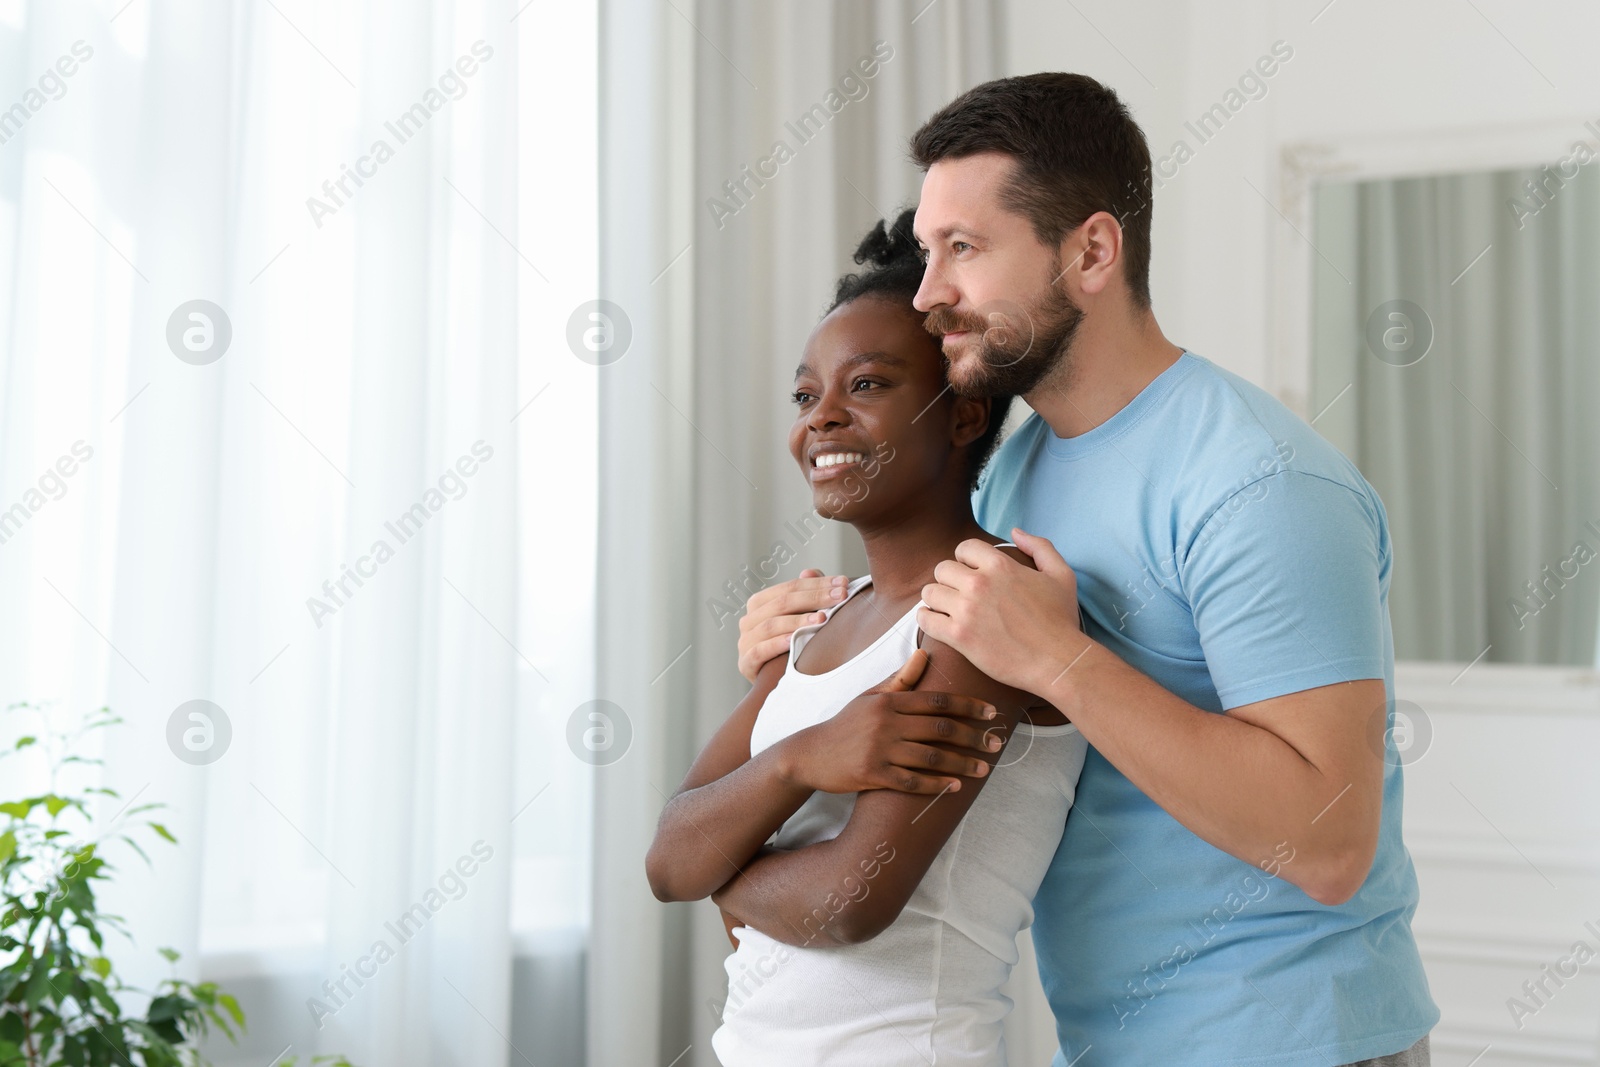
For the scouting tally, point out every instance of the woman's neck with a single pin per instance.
(901, 557)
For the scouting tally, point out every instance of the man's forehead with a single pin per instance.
(959, 197)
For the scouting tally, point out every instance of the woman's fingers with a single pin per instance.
(916, 757)
(903, 781)
(905, 676)
(935, 702)
(972, 736)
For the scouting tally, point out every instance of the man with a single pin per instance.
(1231, 886)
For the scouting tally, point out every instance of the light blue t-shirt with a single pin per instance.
(1226, 550)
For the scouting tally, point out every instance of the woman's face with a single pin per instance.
(876, 427)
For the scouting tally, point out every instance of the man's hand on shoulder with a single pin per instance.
(1016, 620)
(773, 613)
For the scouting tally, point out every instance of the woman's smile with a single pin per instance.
(833, 463)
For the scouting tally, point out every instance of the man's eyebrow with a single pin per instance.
(946, 232)
(888, 359)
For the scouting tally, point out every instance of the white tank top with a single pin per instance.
(927, 989)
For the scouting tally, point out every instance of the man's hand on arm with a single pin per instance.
(1298, 768)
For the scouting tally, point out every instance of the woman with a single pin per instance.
(874, 924)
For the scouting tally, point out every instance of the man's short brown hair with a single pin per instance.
(1077, 149)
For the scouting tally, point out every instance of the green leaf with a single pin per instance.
(164, 832)
(8, 845)
(55, 804)
(18, 809)
(101, 966)
(232, 1006)
(24, 742)
(171, 954)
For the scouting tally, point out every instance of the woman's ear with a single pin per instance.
(970, 419)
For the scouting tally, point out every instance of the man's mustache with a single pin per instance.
(941, 321)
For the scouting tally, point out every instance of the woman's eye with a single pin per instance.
(865, 381)
(799, 396)
(957, 246)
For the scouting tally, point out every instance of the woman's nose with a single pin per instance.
(829, 410)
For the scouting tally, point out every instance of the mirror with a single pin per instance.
(1455, 358)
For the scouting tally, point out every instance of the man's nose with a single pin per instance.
(935, 290)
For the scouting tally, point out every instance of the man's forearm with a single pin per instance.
(1236, 785)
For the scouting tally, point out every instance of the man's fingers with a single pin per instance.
(778, 626)
(796, 596)
(1041, 550)
(953, 574)
(940, 598)
(974, 552)
(933, 623)
(751, 662)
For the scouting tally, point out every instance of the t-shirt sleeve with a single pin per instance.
(1287, 582)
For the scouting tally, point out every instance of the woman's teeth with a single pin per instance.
(833, 459)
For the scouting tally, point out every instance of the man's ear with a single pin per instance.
(1093, 252)
(971, 419)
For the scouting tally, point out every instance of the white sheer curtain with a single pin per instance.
(228, 152)
(1475, 422)
(696, 482)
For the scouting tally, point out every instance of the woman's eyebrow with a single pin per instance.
(888, 359)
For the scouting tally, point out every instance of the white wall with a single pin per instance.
(1503, 815)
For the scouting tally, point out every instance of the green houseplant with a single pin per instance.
(60, 1000)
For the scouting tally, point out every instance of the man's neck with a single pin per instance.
(1110, 364)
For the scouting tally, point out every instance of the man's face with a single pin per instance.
(991, 289)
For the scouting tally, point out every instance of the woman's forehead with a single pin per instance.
(869, 329)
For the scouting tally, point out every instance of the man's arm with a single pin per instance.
(1295, 768)
(1299, 768)
(848, 889)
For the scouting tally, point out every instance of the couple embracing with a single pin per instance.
(1151, 720)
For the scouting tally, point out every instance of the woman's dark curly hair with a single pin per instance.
(895, 274)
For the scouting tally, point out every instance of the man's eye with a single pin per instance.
(959, 245)
(865, 381)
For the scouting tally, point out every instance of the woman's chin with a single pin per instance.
(830, 505)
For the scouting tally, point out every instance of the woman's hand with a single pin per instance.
(889, 738)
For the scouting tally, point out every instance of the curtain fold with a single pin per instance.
(1478, 441)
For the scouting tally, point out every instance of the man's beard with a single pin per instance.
(1017, 347)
